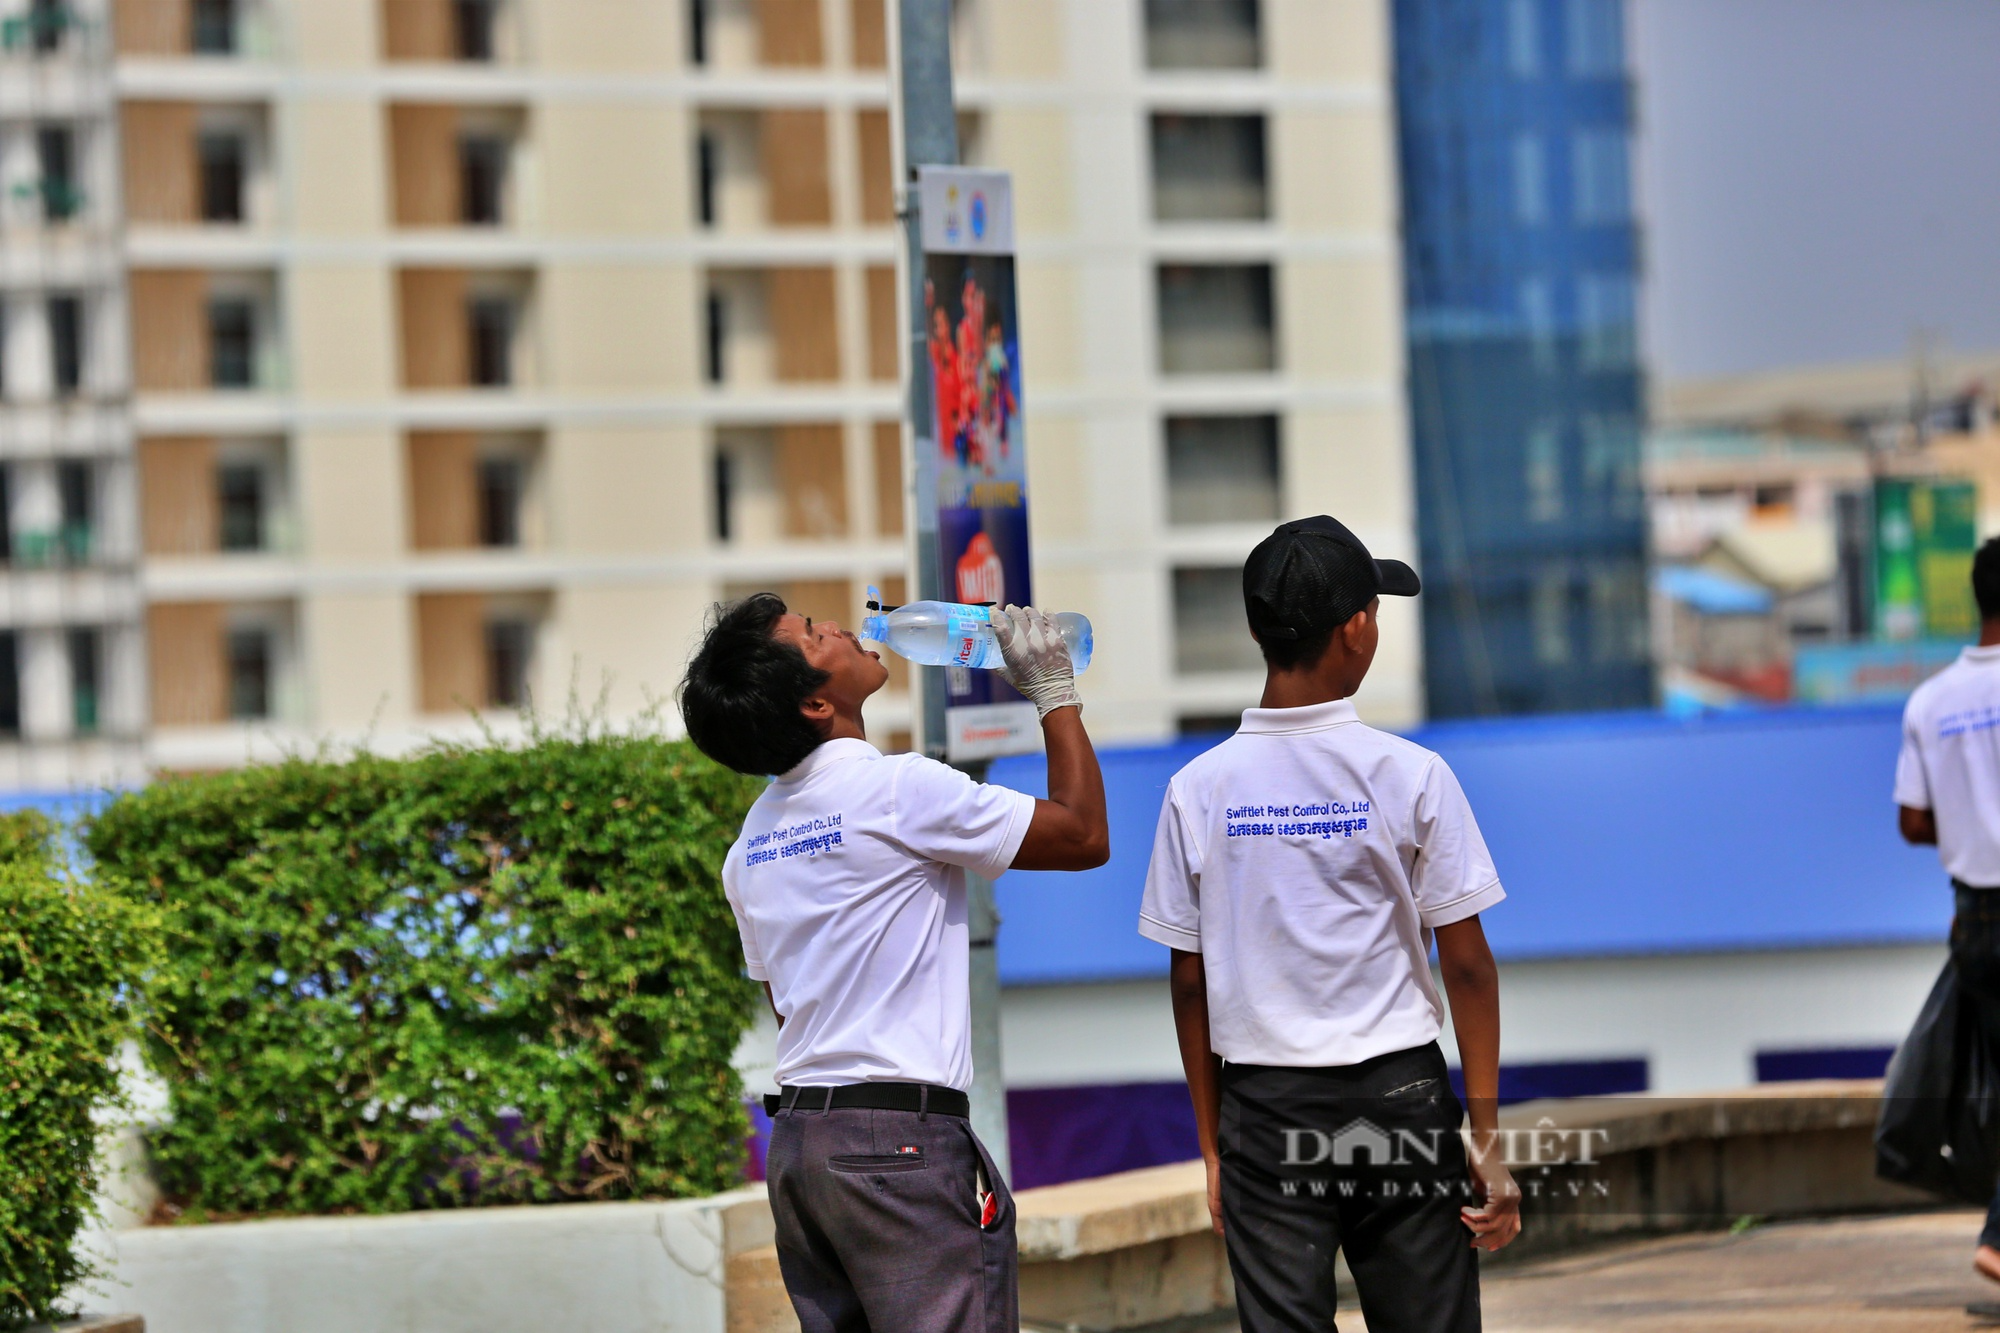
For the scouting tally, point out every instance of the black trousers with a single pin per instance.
(1363, 1158)
(1975, 952)
(879, 1224)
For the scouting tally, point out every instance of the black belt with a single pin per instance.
(921, 1097)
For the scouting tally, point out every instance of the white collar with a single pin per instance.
(829, 753)
(1286, 721)
(1986, 656)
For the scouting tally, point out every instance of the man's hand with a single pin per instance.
(1037, 660)
(1497, 1220)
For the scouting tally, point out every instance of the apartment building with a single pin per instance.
(71, 653)
(477, 346)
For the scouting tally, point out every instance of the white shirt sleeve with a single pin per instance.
(1913, 787)
(1170, 911)
(943, 815)
(1454, 876)
(753, 959)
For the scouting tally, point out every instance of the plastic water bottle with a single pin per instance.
(956, 634)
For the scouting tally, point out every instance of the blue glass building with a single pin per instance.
(1521, 265)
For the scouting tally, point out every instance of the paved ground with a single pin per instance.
(1910, 1274)
(1906, 1274)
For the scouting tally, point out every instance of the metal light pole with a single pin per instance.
(930, 138)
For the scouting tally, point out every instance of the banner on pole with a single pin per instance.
(973, 343)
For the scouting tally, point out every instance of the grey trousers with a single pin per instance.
(878, 1224)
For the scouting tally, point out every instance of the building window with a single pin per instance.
(492, 321)
(1611, 462)
(725, 487)
(86, 679)
(1600, 177)
(509, 644)
(66, 343)
(482, 177)
(1524, 38)
(214, 27)
(698, 19)
(1607, 312)
(1595, 33)
(1216, 319)
(75, 493)
(47, 21)
(717, 335)
(10, 684)
(1209, 169)
(1549, 615)
(1618, 614)
(1203, 34)
(232, 343)
(1222, 469)
(1531, 205)
(222, 172)
(502, 488)
(250, 672)
(473, 27)
(240, 500)
(1210, 631)
(1544, 473)
(708, 165)
(55, 159)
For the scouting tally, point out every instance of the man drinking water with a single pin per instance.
(848, 885)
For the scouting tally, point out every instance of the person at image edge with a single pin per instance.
(1948, 796)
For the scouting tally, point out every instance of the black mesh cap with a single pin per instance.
(1311, 575)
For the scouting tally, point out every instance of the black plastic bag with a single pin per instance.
(1940, 1124)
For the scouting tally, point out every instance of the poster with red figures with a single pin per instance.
(973, 346)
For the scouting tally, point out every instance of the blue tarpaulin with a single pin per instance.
(1614, 834)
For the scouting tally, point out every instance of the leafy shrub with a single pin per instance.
(472, 976)
(69, 954)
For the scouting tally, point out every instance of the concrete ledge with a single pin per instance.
(619, 1267)
(1120, 1252)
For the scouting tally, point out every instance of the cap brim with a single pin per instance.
(1397, 579)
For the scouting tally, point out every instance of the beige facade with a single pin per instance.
(479, 347)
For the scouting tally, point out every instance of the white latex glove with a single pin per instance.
(1037, 660)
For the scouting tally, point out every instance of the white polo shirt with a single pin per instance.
(848, 884)
(1306, 859)
(1950, 764)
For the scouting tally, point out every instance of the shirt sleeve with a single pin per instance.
(943, 815)
(753, 959)
(1170, 911)
(1913, 786)
(1454, 876)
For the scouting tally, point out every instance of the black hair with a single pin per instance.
(1291, 654)
(1986, 579)
(741, 695)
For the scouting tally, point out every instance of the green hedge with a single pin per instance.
(69, 955)
(473, 976)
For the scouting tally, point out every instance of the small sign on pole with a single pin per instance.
(973, 346)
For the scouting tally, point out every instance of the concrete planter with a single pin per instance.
(619, 1267)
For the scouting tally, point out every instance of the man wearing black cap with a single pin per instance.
(1301, 870)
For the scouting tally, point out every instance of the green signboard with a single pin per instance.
(1925, 534)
